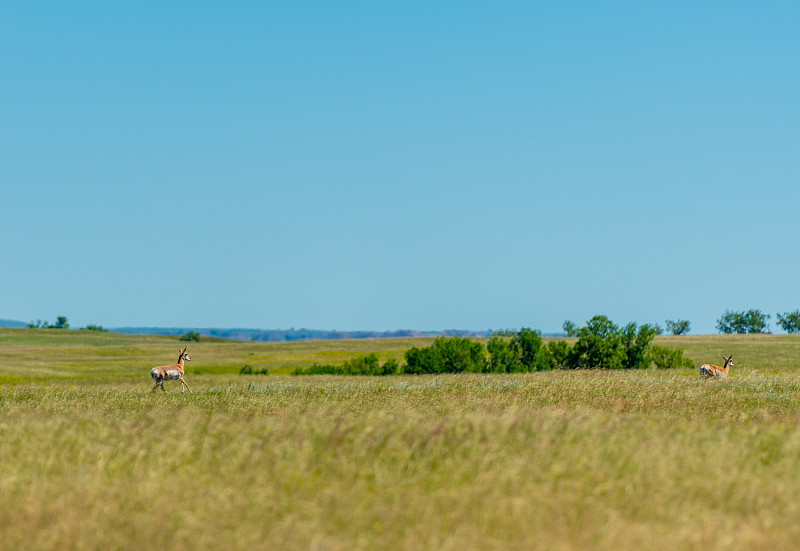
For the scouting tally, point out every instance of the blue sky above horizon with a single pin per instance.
(398, 165)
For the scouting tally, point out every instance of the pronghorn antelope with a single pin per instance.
(709, 370)
(174, 371)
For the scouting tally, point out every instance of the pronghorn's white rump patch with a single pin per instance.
(711, 370)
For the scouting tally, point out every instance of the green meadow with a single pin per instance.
(90, 458)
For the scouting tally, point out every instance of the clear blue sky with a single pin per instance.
(387, 165)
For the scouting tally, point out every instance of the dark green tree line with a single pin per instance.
(750, 321)
(600, 344)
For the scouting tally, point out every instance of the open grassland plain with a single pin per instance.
(36, 355)
(91, 459)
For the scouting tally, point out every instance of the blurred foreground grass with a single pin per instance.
(603, 460)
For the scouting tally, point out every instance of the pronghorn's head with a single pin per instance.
(183, 355)
(728, 361)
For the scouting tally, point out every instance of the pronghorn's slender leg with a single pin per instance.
(184, 384)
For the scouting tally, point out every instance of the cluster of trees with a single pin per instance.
(732, 321)
(601, 344)
(755, 321)
(677, 327)
(750, 321)
(60, 323)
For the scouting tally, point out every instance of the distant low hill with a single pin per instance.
(286, 335)
(283, 335)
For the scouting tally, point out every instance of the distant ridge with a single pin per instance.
(284, 335)
(275, 335)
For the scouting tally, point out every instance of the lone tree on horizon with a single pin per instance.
(678, 327)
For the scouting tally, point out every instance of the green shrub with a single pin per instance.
(447, 355)
(363, 365)
(559, 353)
(599, 345)
(533, 354)
(247, 369)
(669, 358)
(319, 369)
(502, 356)
(191, 336)
(637, 343)
(391, 367)
(602, 344)
(525, 351)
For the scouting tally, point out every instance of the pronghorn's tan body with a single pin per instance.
(172, 372)
(711, 370)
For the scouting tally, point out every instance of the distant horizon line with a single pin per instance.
(19, 323)
(290, 333)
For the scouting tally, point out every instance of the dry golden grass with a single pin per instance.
(554, 460)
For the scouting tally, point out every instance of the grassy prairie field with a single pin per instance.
(91, 459)
(91, 356)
